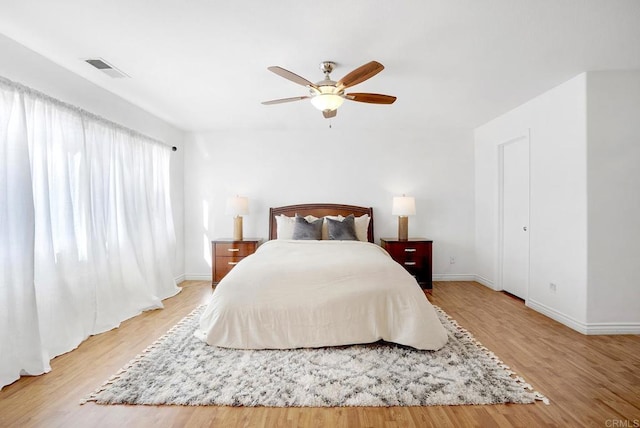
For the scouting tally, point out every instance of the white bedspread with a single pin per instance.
(297, 294)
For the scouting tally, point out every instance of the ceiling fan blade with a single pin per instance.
(371, 98)
(284, 100)
(328, 114)
(361, 74)
(291, 76)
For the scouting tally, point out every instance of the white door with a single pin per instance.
(515, 217)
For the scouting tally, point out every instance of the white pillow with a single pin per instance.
(362, 227)
(285, 225)
(284, 229)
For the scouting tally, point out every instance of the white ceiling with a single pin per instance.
(202, 64)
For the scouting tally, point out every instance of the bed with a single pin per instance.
(307, 293)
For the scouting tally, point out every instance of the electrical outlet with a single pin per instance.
(553, 287)
(452, 260)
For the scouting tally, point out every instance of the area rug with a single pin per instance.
(179, 369)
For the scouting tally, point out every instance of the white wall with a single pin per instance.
(31, 69)
(556, 121)
(274, 168)
(614, 197)
(585, 200)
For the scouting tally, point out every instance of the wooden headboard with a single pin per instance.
(318, 210)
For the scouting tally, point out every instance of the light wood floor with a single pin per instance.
(590, 380)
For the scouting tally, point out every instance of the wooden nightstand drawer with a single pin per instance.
(227, 253)
(412, 263)
(235, 249)
(410, 254)
(223, 265)
(414, 255)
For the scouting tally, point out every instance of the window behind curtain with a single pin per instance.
(86, 230)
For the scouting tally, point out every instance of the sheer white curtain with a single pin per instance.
(86, 232)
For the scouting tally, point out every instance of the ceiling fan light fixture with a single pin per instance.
(326, 98)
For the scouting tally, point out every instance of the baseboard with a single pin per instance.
(453, 277)
(594, 328)
(604, 328)
(197, 277)
(178, 279)
(558, 316)
(484, 281)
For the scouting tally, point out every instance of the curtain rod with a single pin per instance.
(84, 113)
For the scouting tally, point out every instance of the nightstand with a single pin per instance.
(415, 255)
(227, 253)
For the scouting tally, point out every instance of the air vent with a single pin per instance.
(106, 68)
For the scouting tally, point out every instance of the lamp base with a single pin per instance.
(403, 228)
(237, 228)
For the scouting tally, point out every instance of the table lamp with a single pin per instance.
(237, 206)
(403, 206)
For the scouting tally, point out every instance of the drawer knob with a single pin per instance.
(409, 263)
(233, 250)
(232, 263)
(410, 250)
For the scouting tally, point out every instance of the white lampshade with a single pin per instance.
(237, 205)
(404, 205)
(327, 99)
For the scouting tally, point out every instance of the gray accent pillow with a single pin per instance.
(304, 230)
(344, 230)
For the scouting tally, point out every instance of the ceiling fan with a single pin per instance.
(327, 95)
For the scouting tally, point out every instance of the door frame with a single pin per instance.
(500, 224)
